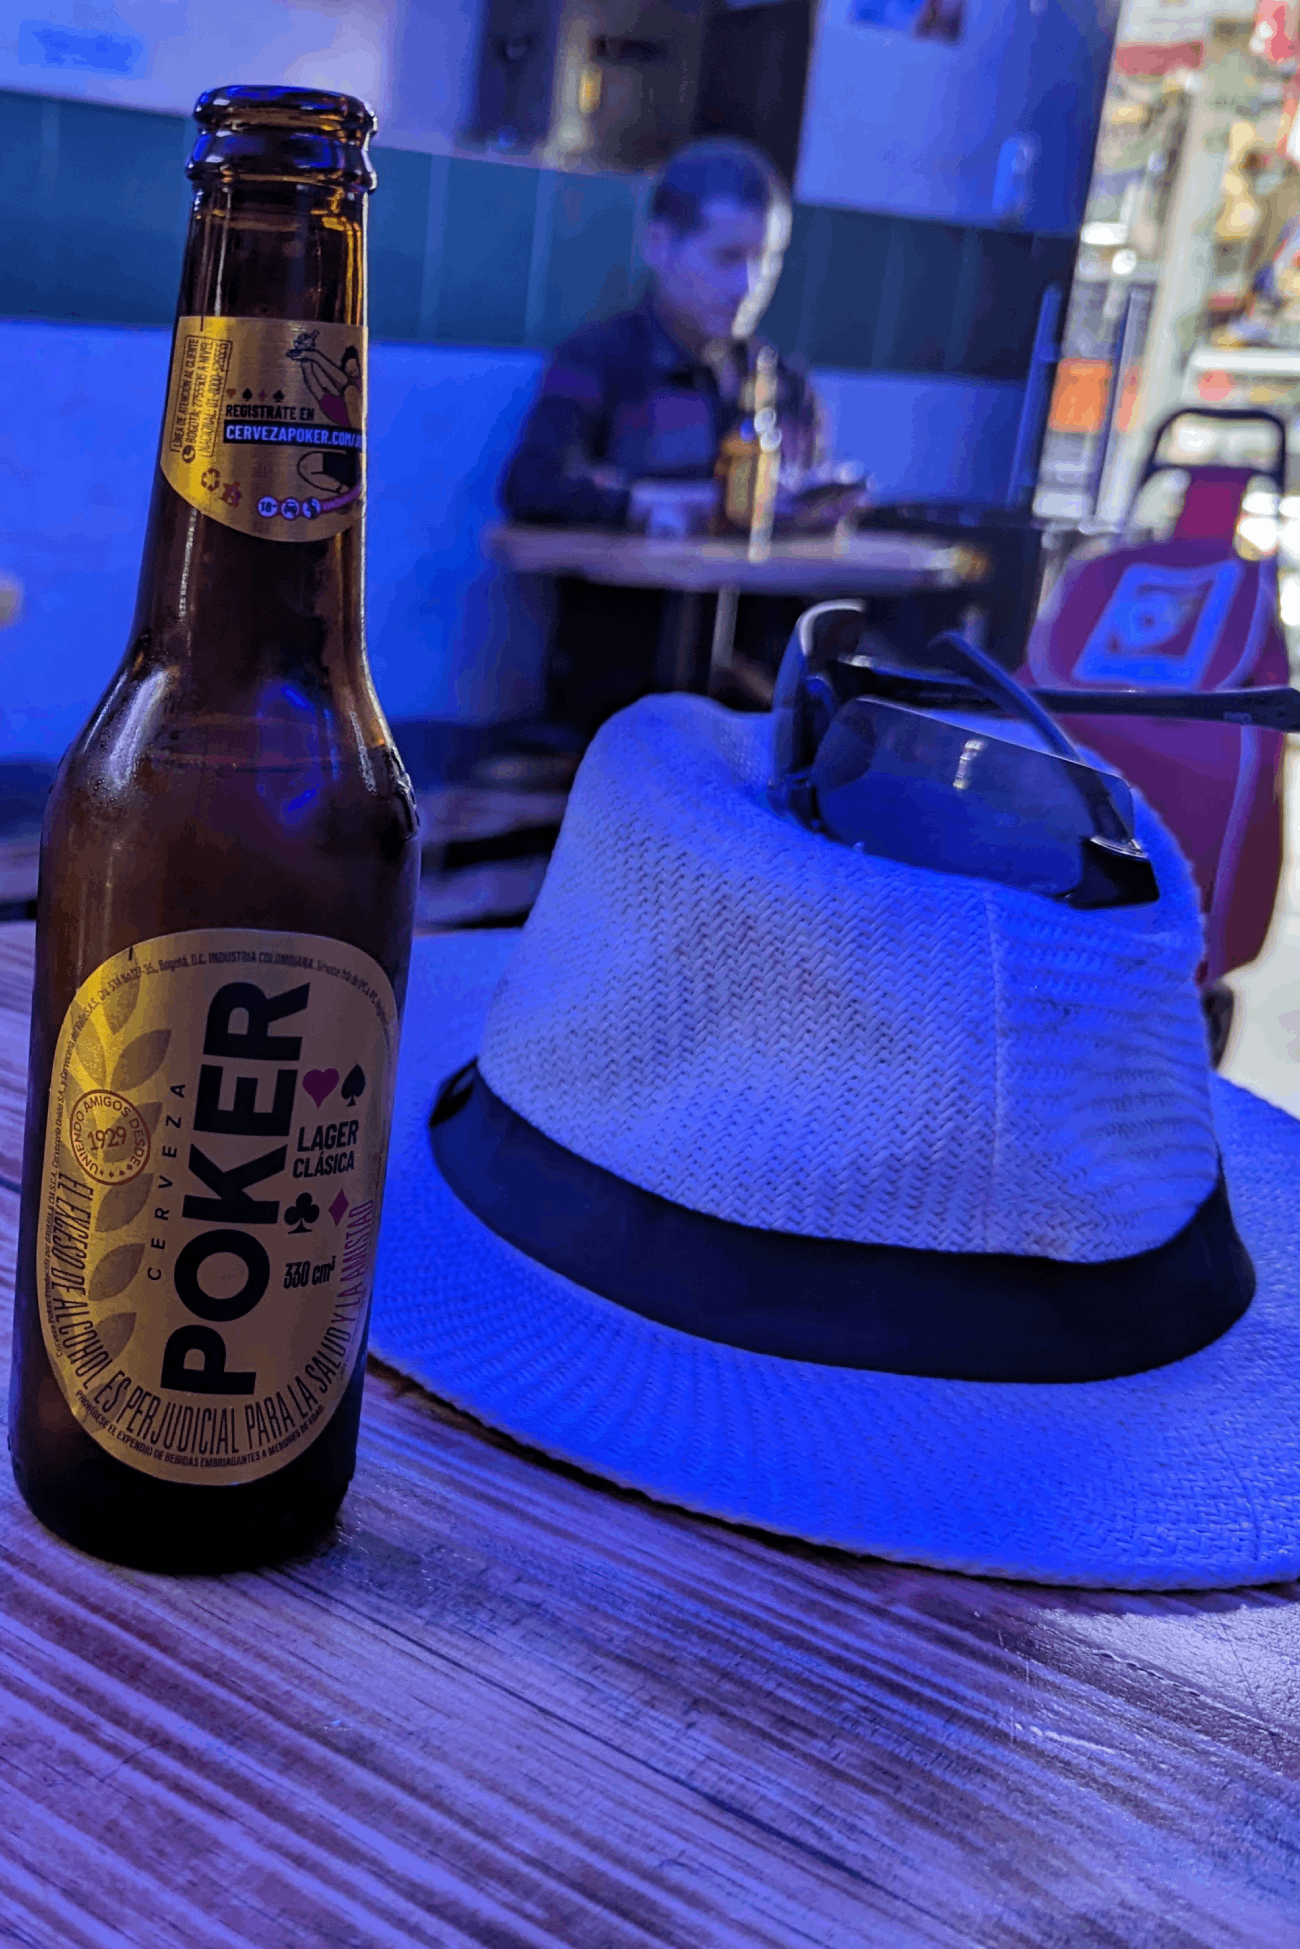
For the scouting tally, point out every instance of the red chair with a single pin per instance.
(1189, 613)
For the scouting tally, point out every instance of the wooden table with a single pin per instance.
(819, 566)
(506, 1707)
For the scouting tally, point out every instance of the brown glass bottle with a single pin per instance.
(237, 775)
(749, 457)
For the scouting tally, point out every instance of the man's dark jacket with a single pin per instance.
(624, 395)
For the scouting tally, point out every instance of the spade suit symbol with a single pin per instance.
(353, 1084)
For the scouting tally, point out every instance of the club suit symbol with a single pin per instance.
(302, 1213)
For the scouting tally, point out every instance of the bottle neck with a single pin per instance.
(238, 609)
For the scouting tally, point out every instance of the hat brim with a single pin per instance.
(1186, 1477)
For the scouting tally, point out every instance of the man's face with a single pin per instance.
(718, 279)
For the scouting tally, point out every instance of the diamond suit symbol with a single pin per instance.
(338, 1207)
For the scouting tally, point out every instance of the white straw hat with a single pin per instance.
(849, 1200)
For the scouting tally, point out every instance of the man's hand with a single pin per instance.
(670, 510)
(819, 510)
(609, 478)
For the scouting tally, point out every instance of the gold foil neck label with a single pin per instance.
(264, 428)
(214, 1159)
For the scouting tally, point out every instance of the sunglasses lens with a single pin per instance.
(957, 799)
(932, 785)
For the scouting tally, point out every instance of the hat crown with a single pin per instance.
(757, 1023)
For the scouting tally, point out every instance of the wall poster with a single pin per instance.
(924, 20)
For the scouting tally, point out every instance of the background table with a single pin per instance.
(503, 1706)
(818, 566)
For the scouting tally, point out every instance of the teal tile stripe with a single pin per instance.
(466, 251)
(93, 216)
(481, 283)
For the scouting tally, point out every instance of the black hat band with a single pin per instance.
(976, 1316)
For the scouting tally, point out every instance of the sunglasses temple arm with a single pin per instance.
(958, 654)
(1270, 709)
(808, 626)
(798, 702)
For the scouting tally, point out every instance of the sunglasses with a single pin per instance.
(904, 764)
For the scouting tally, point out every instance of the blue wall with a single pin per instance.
(467, 251)
(77, 444)
(920, 331)
(451, 636)
(917, 127)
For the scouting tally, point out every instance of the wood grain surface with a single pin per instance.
(504, 1706)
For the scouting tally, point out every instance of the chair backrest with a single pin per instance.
(1212, 504)
(1185, 614)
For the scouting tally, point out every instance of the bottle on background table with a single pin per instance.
(749, 457)
(228, 874)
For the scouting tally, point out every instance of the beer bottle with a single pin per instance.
(749, 455)
(767, 469)
(736, 466)
(227, 886)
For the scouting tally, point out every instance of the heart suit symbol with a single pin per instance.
(318, 1083)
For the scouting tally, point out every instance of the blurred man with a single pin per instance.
(632, 410)
(650, 393)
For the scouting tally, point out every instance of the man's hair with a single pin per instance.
(718, 170)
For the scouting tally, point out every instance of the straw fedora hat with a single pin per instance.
(881, 1207)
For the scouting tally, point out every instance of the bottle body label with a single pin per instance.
(264, 428)
(214, 1158)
